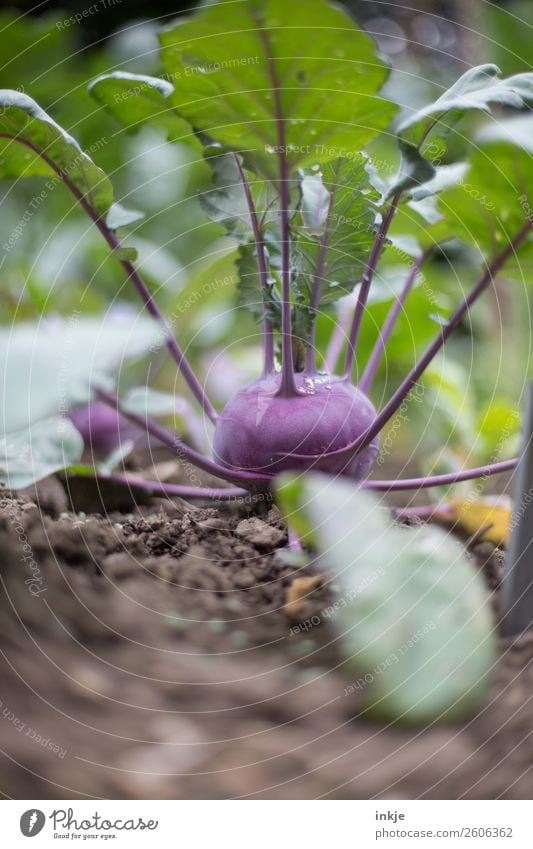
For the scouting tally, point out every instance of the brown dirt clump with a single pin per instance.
(150, 655)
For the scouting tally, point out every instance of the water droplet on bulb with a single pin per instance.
(308, 386)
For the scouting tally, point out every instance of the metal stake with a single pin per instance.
(517, 585)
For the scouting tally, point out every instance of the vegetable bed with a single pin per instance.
(221, 576)
(152, 655)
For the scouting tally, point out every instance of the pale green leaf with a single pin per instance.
(120, 216)
(148, 402)
(29, 455)
(414, 619)
(493, 200)
(48, 367)
(422, 135)
(477, 89)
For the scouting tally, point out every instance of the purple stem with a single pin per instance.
(268, 336)
(335, 346)
(185, 452)
(371, 267)
(288, 386)
(310, 364)
(445, 332)
(153, 309)
(135, 278)
(368, 276)
(293, 541)
(365, 383)
(353, 448)
(417, 512)
(441, 480)
(171, 488)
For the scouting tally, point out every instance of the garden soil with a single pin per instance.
(148, 651)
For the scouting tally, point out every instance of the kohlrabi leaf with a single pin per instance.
(277, 80)
(336, 230)
(136, 100)
(316, 200)
(415, 169)
(415, 622)
(226, 204)
(477, 88)
(249, 286)
(225, 200)
(120, 216)
(49, 367)
(153, 403)
(126, 253)
(450, 411)
(413, 228)
(28, 455)
(493, 201)
(422, 135)
(145, 401)
(32, 143)
(445, 176)
(116, 458)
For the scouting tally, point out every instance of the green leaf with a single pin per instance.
(491, 203)
(43, 148)
(116, 458)
(225, 200)
(270, 78)
(315, 203)
(424, 179)
(120, 216)
(416, 224)
(338, 212)
(388, 284)
(413, 619)
(447, 394)
(289, 494)
(249, 287)
(476, 89)
(125, 254)
(50, 366)
(444, 177)
(498, 426)
(415, 170)
(145, 401)
(137, 100)
(29, 455)
(225, 203)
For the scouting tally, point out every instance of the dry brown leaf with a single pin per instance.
(298, 593)
(491, 514)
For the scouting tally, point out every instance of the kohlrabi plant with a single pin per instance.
(281, 102)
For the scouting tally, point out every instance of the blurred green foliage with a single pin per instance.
(59, 263)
